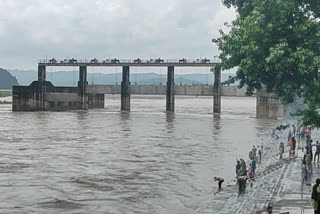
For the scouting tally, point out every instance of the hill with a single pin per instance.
(70, 78)
(7, 80)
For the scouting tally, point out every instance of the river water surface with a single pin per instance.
(106, 161)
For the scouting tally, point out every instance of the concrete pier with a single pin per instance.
(217, 91)
(268, 105)
(41, 73)
(82, 85)
(41, 89)
(170, 90)
(125, 89)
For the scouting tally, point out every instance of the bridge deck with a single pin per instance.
(132, 62)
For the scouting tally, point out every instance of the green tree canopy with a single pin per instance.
(276, 44)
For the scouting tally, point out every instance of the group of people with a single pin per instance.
(242, 174)
(305, 133)
(241, 168)
(309, 156)
(253, 159)
(301, 132)
(292, 143)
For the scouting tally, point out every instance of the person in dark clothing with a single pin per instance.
(293, 145)
(237, 167)
(315, 196)
(220, 181)
(243, 168)
(252, 169)
(242, 183)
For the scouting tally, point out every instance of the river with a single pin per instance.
(106, 161)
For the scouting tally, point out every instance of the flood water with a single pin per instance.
(106, 161)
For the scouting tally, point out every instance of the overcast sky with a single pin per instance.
(35, 29)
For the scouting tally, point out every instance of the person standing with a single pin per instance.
(243, 168)
(251, 156)
(281, 150)
(220, 181)
(242, 176)
(315, 196)
(237, 167)
(289, 135)
(309, 162)
(317, 151)
(293, 145)
(310, 148)
(261, 145)
(290, 148)
(254, 150)
(260, 153)
(242, 183)
(253, 169)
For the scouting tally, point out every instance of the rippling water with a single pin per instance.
(106, 161)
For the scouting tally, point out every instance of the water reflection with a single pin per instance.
(170, 118)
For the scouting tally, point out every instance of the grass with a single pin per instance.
(5, 93)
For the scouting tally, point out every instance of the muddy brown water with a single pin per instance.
(106, 161)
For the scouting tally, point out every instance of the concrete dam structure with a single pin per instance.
(180, 90)
(42, 95)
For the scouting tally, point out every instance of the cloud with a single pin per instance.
(33, 29)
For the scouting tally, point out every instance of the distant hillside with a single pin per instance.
(7, 80)
(70, 78)
(24, 77)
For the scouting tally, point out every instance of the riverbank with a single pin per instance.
(276, 183)
(258, 193)
(279, 186)
(5, 93)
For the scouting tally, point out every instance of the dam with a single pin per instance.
(42, 95)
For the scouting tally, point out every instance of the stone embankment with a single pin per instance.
(279, 185)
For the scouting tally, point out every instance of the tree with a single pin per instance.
(276, 44)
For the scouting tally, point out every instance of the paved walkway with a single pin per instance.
(258, 192)
(294, 193)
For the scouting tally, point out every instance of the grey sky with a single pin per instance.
(33, 29)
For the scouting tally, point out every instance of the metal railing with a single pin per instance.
(128, 61)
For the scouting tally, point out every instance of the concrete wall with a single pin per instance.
(24, 98)
(191, 90)
(268, 106)
(45, 96)
(27, 98)
(96, 101)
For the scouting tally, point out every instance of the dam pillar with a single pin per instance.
(217, 90)
(268, 105)
(41, 73)
(82, 85)
(170, 89)
(41, 89)
(125, 93)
